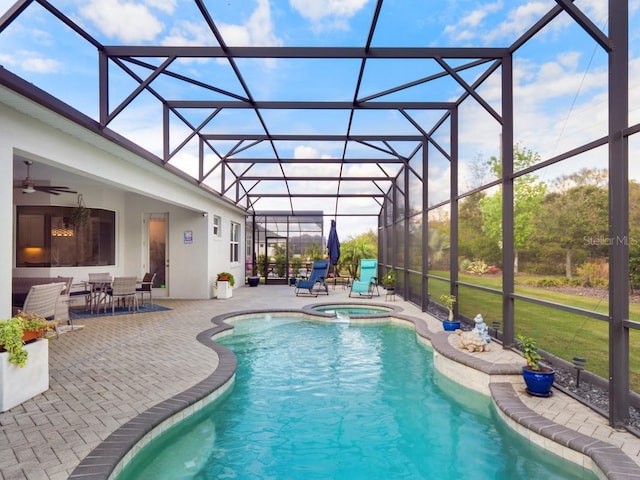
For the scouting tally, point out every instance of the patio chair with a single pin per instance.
(123, 289)
(43, 299)
(146, 286)
(62, 305)
(368, 281)
(99, 285)
(316, 283)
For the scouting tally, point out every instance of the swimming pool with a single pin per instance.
(337, 401)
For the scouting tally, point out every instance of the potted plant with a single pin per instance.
(389, 280)
(538, 378)
(224, 285)
(24, 359)
(450, 324)
(17, 331)
(81, 214)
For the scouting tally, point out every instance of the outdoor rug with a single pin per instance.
(82, 314)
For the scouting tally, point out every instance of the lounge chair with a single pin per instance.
(368, 281)
(316, 283)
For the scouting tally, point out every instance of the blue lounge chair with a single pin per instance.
(315, 284)
(368, 281)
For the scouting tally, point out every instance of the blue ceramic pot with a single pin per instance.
(450, 326)
(538, 382)
(253, 281)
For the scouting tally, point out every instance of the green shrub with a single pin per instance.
(478, 267)
(552, 282)
(594, 274)
(465, 263)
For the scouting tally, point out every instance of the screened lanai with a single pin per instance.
(487, 143)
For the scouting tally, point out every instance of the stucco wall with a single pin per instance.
(113, 178)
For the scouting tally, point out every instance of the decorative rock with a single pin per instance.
(472, 341)
(481, 328)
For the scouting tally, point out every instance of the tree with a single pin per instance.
(313, 251)
(528, 193)
(438, 244)
(473, 243)
(574, 215)
(355, 249)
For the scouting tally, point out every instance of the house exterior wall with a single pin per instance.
(116, 179)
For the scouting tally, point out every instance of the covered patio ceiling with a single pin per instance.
(276, 115)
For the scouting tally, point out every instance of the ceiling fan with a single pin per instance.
(29, 186)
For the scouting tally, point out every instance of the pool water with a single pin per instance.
(336, 401)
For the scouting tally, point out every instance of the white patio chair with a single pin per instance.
(43, 300)
(123, 289)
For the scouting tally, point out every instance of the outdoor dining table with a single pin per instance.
(98, 293)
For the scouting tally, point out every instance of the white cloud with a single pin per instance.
(260, 26)
(185, 33)
(40, 65)
(519, 19)
(328, 13)
(598, 11)
(467, 28)
(305, 151)
(477, 24)
(257, 30)
(166, 6)
(29, 61)
(125, 21)
(477, 16)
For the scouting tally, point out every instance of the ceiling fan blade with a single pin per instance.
(54, 190)
(29, 186)
(55, 187)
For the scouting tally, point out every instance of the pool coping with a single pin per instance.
(109, 458)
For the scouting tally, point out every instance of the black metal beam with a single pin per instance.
(584, 21)
(316, 179)
(618, 215)
(14, 12)
(303, 52)
(317, 195)
(508, 238)
(311, 105)
(313, 160)
(314, 138)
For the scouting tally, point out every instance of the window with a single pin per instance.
(235, 242)
(49, 236)
(217, 230)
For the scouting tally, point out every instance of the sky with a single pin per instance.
(560, 79)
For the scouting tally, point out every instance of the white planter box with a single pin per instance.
(20, 384)
(224, 290)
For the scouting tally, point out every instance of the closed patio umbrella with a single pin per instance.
(333, 247)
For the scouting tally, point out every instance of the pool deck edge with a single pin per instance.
(604, 459)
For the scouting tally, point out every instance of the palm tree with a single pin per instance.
(355, 249)
(438, 244)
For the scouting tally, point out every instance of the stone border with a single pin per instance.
(109, 458)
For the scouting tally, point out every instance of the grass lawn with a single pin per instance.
(561, 333)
